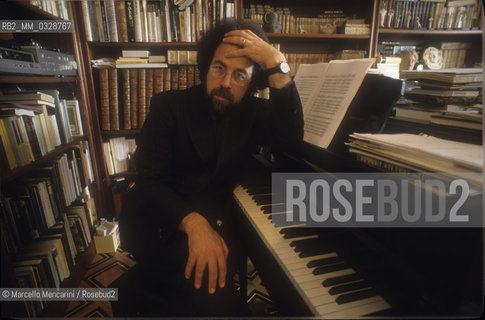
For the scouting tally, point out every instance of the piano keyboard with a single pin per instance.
(329, 286)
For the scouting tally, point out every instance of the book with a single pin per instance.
(16, 96)
(134, 98)
(74, 117)
(142, 86)
(326, 91)
(452, 76)
(135, 53)
(113, 99)
(125, 101)
(457, 121)
(104, 99)
(141, 65)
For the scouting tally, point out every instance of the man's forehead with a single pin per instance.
(225, 48)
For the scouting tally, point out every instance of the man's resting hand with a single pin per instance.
(206, 248)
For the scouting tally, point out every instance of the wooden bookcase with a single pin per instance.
(75, 85)
(316, 43)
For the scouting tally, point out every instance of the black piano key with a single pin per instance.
(259, 190)
(330, 268)
(267, 209)
(304, 244)
(340, 280)
(290, 233)
(276, 208)
(270, 217)
(313, 252)
(262, 199)
(355, 296)
(323, 262)
(353, 286)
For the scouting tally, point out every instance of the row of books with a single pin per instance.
(117, 154)
(33, 123)
(125, 93)
(335, 21)
(453, 53)
(439, 14)
(455, 101)
(57, 8)
(49, 259)
(152, 20)
(33, 205)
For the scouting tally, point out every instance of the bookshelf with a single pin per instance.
(365, 14)
(33, 209)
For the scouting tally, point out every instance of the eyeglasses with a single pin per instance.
(239, 78)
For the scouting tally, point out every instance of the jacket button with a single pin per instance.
(219, 222)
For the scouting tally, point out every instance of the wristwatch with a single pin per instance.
(282, 67)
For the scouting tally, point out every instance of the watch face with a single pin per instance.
(285, 68)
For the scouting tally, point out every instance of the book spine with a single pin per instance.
(175, 77)
(113, 99)
(104, 97)
(141, 96)
(182, 76)
(87, 20)
(167, 76)
(137, 20)
(126, 99)
(158, 81)
(7, 147)
(130, 21)
(104, 19)
(99, 20)
(121, 20)
(134, 98)
(190, 76)
(33, 141)
(111, 19)
(149, 85)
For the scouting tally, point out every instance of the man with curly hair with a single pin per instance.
(177, 220)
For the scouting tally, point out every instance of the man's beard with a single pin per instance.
(221, 106)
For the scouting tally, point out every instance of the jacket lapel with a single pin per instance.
(236, 131)
(201, 127)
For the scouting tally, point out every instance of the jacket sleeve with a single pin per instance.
(154, 156)
(279, 121)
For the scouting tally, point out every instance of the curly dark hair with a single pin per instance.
(209, 43)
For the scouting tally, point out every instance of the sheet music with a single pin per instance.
(326, 91)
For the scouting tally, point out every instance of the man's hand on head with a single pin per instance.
(259, 51)
(206, 249)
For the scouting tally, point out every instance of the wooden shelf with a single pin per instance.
(430, 32)
(120, 132)
(17, 172)
(36, 79)
(307, 36)
(97, 44)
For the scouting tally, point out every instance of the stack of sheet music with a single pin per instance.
(416, 153)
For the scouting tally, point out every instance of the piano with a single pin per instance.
(347, 273)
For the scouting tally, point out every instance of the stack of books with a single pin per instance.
(449, 97)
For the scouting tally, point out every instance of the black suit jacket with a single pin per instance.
(188, 160)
